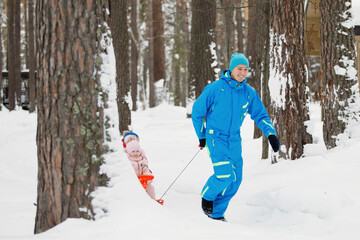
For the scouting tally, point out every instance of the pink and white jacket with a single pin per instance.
(140, 165)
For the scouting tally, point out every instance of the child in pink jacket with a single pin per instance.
(140, 163)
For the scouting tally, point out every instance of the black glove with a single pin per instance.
(202, 143)
(274, 142)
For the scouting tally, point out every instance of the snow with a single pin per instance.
(356, 11)
(315, 197)
(278, 79)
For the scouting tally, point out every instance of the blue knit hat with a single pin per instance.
(238, 59)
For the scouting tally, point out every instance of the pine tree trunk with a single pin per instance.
(186, 47)
(1, 58)
(180, 54)
(254, 38)
(265, 73)
(134, 55)
(120, 35)
(158, 46)
(239, 26)
(32, 58)
(150, 24)
(202, 35)
(11, 57)
(26, 29)
(258, 58)
(228, 6)
(17, 29)
(338, 74)
(288, 76)
(70, 122)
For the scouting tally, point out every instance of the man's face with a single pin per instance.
(239, 73)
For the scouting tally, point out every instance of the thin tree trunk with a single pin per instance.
(11, 57)
(1, 58)
(258, 58)
(17, 29)
(32, 58)
(26, 29)
(265, 74)
(239, 25)
(158, 47)
(70, 131)
(134, 55)
(186, 42)
(228, 6)
(180, 54)
(150, 22)
(120, 35)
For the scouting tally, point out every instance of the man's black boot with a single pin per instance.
(207, 207)
(220, 219)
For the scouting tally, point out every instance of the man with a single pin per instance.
(217, 116)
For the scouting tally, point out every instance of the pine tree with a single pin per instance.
(119, 30)
(239, 25)
(201, 71)
(32, 58)
(1, 58)
(70, 133)
(180, 53)
(134, 54)
(11, 57)
(265, 95)
(340, 106)
(288, 76)
(17, 57)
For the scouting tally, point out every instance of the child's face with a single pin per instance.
(239, 73)
(135, 153)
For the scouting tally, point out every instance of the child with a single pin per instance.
(223, 106)
(138, 159)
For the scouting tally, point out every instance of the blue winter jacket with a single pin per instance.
(223, 105)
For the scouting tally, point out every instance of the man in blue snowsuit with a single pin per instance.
(217, 116)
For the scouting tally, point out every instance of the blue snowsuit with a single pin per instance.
(217, 115)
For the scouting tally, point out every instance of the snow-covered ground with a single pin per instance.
(356, 11)
(316, 197)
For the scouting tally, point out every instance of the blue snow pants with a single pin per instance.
(225, 154)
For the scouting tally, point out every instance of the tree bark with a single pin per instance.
(1, 58)
(201, 71)
(239, 26)
(11, 57)
(70, 120)
(338, 74)
(120, 35)
(265, 73)
(134, 55)
(180, 54)
(158, 52)
(259, 51)
(150, 62)
(32, 58)
(289, 108)
(228, 6)
(17, 29)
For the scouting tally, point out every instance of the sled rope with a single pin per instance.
(180, 173)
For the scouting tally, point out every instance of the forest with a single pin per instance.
(56, 61)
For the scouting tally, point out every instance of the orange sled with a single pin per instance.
(143, 180)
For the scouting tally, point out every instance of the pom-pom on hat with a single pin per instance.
(238, 59)
(128, 136)
(132, 146)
